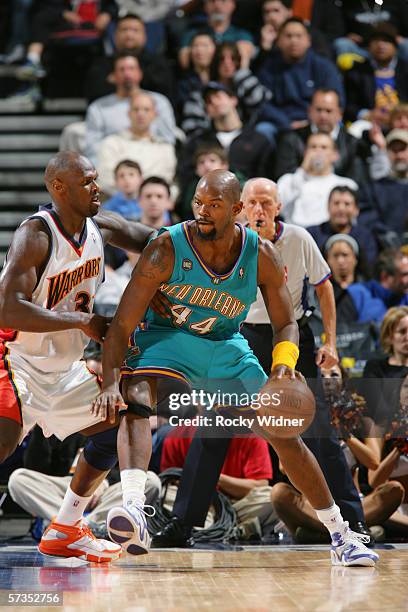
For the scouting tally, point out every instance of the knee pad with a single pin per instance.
(140, 410)
(100, 450)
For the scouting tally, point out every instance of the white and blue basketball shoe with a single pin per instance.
(350, 549)
(128, 527)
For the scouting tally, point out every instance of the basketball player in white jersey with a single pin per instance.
(53, 269)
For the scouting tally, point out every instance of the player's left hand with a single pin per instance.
(282, 371)
(327, 356)
(285, 372)
(107, 403)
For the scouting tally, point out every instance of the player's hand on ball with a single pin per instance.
(96, 326)
(107, 403)
(161, 305)
(282, 371)
(288, 405)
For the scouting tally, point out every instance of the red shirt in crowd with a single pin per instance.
(246, 457)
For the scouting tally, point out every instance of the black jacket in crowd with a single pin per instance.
(250, 153)
(360, 86)
(341, 17)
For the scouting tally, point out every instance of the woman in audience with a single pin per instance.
(198, 73)
(380, 373)
(226, 69)
(382, 379)
(394, 343)
(353, 301)
(354, 426)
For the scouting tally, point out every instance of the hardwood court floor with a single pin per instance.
(253, 578)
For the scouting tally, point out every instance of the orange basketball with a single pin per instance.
(286, 407)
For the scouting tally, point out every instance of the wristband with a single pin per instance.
(285, 353)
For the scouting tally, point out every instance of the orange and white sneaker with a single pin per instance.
(77, 541)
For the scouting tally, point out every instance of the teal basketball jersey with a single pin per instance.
(207, 304)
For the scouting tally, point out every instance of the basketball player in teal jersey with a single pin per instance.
(209, 269)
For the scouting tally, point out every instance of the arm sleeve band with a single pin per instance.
(285, 353)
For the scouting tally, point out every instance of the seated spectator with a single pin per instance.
(391, 450)
(383, 499)
(292, 72)
(249, 152)
(226, 69)
(388, 195)
(244, 475)
(343, 219)
(324, 115)
(197, 74)
(399, 117)
(372, 140)
(193, 81)
(390, 284)
(85, 20)
(352, 22)
(110, 114)
(380, 163)
(155, 202)
(375, 86)
(274, 14)
(130, 35)
(137, 144)
(353, 301)
(128, 178)
(219, 14)
(158, 16)
(305, 193)
(380, 388)
(207, 157)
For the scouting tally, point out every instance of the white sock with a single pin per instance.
(34, 57)
(72, 508)
(332, 519)
(133, 486)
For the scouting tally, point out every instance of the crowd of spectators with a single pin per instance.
(313, 95)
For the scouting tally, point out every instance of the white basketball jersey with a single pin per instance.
(72, 275)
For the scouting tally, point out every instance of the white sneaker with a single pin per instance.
(128, 527)
(349, 549)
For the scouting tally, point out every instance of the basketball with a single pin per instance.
(286, 407)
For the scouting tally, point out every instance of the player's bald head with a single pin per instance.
(66, 164)
(259, 184)
(223, 182)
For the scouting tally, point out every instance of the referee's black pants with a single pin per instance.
(207, 452)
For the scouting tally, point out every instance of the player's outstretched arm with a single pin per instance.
(128, 235)
(154, 267)
(26, 261)
(272, 282)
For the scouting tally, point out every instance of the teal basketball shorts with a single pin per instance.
(211, 365)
